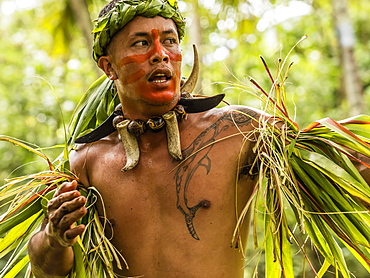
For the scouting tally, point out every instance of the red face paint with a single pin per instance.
(137, 76)
(158, 48)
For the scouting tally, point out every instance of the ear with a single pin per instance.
(105, 64)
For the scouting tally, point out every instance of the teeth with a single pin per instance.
(159, 78)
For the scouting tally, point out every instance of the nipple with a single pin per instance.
(205, 204)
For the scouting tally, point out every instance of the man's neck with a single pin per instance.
(143, 111)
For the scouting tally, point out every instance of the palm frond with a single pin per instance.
(27, 196)
(311, 171)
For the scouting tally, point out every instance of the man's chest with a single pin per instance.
(159, 179)
(160, 190)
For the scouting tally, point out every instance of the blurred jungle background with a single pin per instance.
(46, 66)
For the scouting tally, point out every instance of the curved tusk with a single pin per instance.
(189, 85)
(173, 135)
(130, 144)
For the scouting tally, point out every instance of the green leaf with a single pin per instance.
(323, 198)
(17, 232)
(364, 262)
(14, 258)
(102, 24)
(20, 215)
(18, 267)
(345, 133)
(325, 266)
(272, 267)
(286, 254)
(330, 246)
(27, 147)
(79, 265)
(87, 106)
(337, 173)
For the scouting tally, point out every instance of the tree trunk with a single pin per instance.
(82, 16)
(351, 84)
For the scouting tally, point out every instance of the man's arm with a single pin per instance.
(50, 250)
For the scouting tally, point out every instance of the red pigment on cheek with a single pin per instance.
(133, 77)
(138, 59)
(141, 58)
(177, 57)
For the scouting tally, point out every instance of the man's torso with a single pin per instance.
(170, 218)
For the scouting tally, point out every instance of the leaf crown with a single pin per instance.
(124, 11)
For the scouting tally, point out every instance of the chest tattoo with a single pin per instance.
(197, 157)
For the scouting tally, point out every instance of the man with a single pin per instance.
(175, 175)
(171, 216)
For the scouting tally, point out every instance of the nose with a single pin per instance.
(159, 54)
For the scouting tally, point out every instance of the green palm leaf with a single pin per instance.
(312, 171)
(95, 106)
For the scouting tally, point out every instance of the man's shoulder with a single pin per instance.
(241, 109)
(233, 118)
(238, 114)
(80, 152)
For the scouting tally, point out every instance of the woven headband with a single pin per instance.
(124, 11)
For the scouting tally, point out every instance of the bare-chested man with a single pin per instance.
(170, 218)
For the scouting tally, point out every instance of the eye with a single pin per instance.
(170, 41)
(141, 43)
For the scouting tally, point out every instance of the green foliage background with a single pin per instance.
(46, 65)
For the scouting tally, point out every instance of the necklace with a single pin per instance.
(154, 124)
(130, 130)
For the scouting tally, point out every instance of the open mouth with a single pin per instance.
(160, 76)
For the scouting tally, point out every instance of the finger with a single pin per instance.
(57, 201)
(65, 187)
(74, 232)
(66, 208)
(72, 205)
(65, 238)
(67, 220)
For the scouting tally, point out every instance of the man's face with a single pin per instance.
(146, 59)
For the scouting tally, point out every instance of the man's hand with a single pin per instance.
(66, 207)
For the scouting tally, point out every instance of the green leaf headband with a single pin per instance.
(109, 24)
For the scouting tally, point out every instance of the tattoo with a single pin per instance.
(196, 155)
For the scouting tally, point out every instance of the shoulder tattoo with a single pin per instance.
(196, 155)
